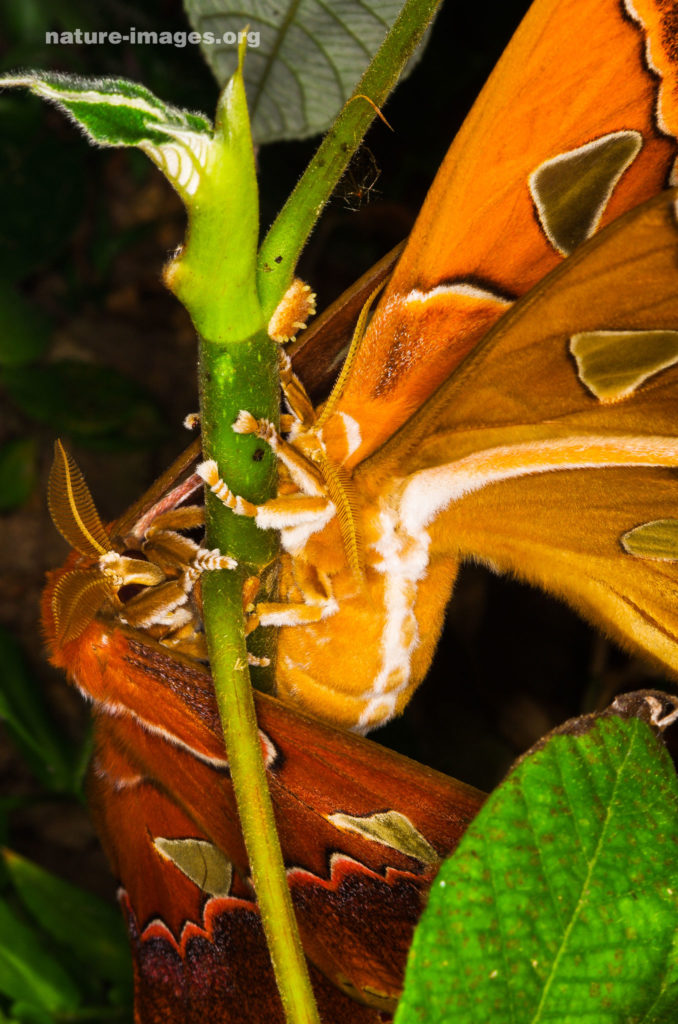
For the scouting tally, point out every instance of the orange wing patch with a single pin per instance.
(479, 223)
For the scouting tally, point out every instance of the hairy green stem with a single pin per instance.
(228, 658)
(231, 297)
(214, 276)
(243, 375)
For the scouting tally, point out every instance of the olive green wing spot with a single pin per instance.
(657, 539)
(612, 364)
(392, 829)
(201, 861)
(570, 191)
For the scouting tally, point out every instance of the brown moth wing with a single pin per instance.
(160, 773)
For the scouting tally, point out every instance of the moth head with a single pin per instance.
(78, 595)
(83, 591)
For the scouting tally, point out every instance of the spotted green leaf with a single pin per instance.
(561, 902)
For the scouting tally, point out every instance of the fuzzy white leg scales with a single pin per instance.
(209, 472)
(206, 561)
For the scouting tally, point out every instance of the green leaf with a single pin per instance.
(28, 972)
(302, 61)
(18, 471)
(25, 332)
(92, 929)
(14, 1020)
(22, 707)
(24, 1013)
(117, 112)
(561, 902)
(98, 405)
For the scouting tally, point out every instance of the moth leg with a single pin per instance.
(275, 613)
(317, 605)
(170, 615)
(283, 513)
(161, 606)
(169, 549)
(290, 316)
(187, 640)
(252, 612)
(193, 643)
(275, 514)
(250, 589)
(166, 608)
(185, 633)
(296, 396)
(304, 472)
(318, 601)
(173, 551)
(292, 313)
(314, 474)
(255, 662)
(166, 511)
(190, 517)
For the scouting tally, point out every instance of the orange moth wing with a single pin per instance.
(561, 482)
(553, 154)
(576, 124)
(550, 453)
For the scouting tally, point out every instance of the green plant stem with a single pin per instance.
(214, 276)
(231, 296)
(243, 375)
(282, 246)
(228, 658)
